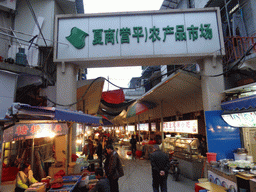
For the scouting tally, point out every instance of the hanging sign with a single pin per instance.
(131, 128)
(189, 126)
(124, 38)
(247, 119)
(143, 127)
(33, 130)
(153, 126)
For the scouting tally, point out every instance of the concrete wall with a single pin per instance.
(5, 22)
(249, 16)
(200, 3)
(7, 91)
(25, 22)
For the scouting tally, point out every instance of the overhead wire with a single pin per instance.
(36, 21)
(182, 67)
(236, 64)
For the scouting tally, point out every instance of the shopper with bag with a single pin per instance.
(160, 165)
(114, 169)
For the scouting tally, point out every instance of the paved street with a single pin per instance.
(138, 177)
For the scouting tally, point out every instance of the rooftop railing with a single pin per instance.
(236, 47)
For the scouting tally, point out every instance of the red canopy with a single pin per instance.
(114, 96)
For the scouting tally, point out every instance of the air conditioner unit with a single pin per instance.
(7, 4)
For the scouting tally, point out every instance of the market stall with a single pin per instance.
(186, 150)
(43, 129)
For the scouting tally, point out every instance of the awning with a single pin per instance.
(27, 112)
(240, 104)
(89, 94)
(180, 93)
(113, 96)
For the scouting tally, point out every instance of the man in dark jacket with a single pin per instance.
(133, 143)
(103, 183)
(160, 165)
(99, 152)
(114, 170)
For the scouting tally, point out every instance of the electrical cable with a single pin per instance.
(34, 17)
(2, 28)
(237, 63)
(182, 67)
(78, 99)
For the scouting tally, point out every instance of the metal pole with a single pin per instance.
(161, 125)
(149, 127)
(139, 127)
(226, 9)
(67, 150)
(32, 153)
(1, 152)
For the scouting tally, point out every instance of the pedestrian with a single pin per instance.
(89, 149)
(202, 146)
(114, 170)
(160, 165)
(103, 184)
(99, 152)
(133, 143)
(24, 178)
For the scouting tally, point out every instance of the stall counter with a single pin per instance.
(54, 170)
(190, 168)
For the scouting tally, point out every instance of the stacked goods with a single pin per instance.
(57, 182)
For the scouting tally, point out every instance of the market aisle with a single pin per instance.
(138, 177)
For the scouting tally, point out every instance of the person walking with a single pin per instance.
(103, 184)
(114, 169)
(203, 146)
(160, 165)
(133, 143)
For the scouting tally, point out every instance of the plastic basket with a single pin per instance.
(211, 157)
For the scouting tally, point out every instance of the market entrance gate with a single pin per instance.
(140, 39)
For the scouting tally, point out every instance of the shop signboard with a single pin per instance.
(34, 130)
(189, 126)
(143, 127)
(131, 128)
(127, 37)
(153, 126)
(247, 119)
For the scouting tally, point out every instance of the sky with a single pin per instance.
(119, 76)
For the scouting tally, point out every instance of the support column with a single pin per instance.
(212, 87)
(66, 85)
(66, 93)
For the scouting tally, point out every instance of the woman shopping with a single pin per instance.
(24, 178)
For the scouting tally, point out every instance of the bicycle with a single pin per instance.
(174, 168)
